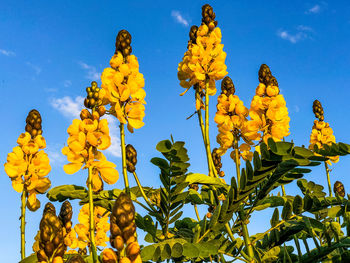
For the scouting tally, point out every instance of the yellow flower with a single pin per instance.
(204, 60)
(122, 88)
(101, 217)
(24, 138)
(86, 138)
(322, 134)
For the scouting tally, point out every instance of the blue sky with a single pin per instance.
(51, 50)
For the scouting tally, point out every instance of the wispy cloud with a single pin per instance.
(67, 83)
(296, 108)
(302, 32)
(36, 68)
(179, 18)
(91, 72)
(55, 155)
(314, 9)
(71, 107)
(7, 53)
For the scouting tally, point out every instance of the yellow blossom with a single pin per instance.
(101, 217)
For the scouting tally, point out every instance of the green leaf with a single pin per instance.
(166, 252)
(156, 254)
(333, 211)
(160, 162)
(64, 192)
(176, 250)
(176, 217)
(287, 211)
(196, 178)
(298, 205)
(275, 218)
(30, 259)
(190, 250)
(164, 146)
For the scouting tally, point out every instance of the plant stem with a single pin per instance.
(328, 179)
(229, 232)
(122, 145)
(306, 245)
(143, 192)
(23, 223)
(207, 141)
(245, 232)
(197, 214)
(201, 125)
(297, 244)
(238, 171)
(283, 190)
(92, 219)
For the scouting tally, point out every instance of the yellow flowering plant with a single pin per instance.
(28, 166)
(110, 219)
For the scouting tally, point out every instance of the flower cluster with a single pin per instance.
(122, 86)
(232, 122)
(86, 137)
(101, 216)
(28, 165)
(322, 134)
(268, 107)
(204, 59)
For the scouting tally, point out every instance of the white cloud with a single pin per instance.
(92, 73)
(67, 83)
(7, 53)
(314, 10)
(71, 108)
(55, 155)
(36, 68)
(179, 18)
(301, 33)
(296, 108)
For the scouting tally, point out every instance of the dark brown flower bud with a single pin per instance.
(227, 86)
(123, 43)
(92, 99)
(339, 188)
(51, 241)
(82, 251)
(131, 158)
(76, 259)
(122, 225)
(208, 16)
(33, 123)
(65, 215)
(193, 34)
(49, 207)
(318, 110)
(216, 160)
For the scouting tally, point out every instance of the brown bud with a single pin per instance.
(227, 86)
(339, 189)
(318, 110)
(131, 156)
(85, 114)
(101, 110)
(132, 250)
(122, 43)
(118, 243)
(33, 123)
(208, 16)
(193, 34)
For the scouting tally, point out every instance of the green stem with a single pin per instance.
(23, 224)
(143, 192)
(306, 245)
(209, 156)
(122, 145)
(238, 171)
(206, 130)
(92, 219)
(328, 179)
(283, 190)
(197, 214)
(247, 241)
(297, 244)
(245, 232)
(229, 232)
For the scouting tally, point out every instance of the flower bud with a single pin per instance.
(339, 188)
(33, 123)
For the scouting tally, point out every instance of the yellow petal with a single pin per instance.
(72, 168)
